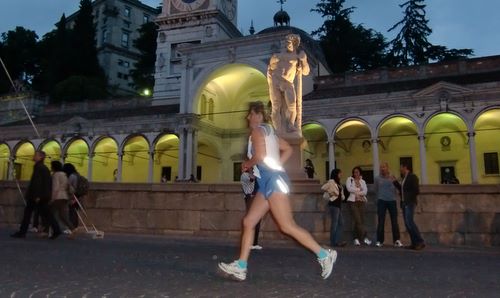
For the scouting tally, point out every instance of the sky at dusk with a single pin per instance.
(455, 23)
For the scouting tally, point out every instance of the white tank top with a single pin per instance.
(272, 158)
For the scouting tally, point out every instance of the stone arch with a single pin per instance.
(23, 163)
(4, 161)
(104, 159)
(397, 136)
(487, 141)
(135, 151)
(352, 138)
(315, 147)
(447, 148)
(76, 152)
(52, 149)
(229, 87)
(166, 157)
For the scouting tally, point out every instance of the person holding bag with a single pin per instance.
(357, 189)
(335, 192)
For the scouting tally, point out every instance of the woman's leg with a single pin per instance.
(334, 225)
(258, 209)
(356, 219)
(279, 205)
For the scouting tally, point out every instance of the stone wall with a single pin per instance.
(446, 214)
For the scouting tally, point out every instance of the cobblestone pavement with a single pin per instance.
(161, 266)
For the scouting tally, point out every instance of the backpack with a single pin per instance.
(82, 186)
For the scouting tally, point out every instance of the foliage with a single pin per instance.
(411, 46)
(347, 47)
(79, 88)
(18, 50)
(143, 74)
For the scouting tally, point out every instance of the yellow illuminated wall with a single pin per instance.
(52, 151)
(105, 160)
(135, 160)
(487, 128)
(4, 161)
(23, 163)
(349, 149)
(315, 148)
(398, 137)
(166, 155)
(210, 161)
(447, 125)
(77, 154)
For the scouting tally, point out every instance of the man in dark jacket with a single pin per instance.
(39, 192)
(409, 189)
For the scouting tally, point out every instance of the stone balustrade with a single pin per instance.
(446, 214)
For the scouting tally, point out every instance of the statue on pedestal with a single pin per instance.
(284, 76)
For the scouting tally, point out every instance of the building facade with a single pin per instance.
(117, 23)
(443, 118)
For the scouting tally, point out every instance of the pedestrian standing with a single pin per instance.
(409, 190)
(386, 194)
(356, 201)
(336, 195)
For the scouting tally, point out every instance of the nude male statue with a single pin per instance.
(286, 99)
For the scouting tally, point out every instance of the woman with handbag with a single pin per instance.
(356, 201)
(335, 192)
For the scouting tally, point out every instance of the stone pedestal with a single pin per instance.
(295, 165)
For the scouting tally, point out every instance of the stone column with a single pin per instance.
(10, 169)
(91, 165)
(376, 158)
(182, 153)
(189, 153)
(120, 165)
(151, 165)
(331, 156)
(473, 159)
(195, 151)
(423, 160)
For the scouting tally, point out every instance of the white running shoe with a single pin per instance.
(327, 263)
(256, 247)
(33, 230)
(356, 242)
(233, 271)
(379, 244)
(367, 241)
(398, 243)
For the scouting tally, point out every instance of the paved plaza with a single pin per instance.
(163, 266)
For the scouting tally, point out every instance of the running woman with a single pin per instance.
(267, 153)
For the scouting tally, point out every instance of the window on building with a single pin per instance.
(104, 37)
(126, 24)
(125, 39)
(145, 18)
(407, 160)
(123, 63)
(119, 75)
(203, 104)
(236, 171)
(166, 174)
(127, 11)
(491, 163)
(198, 173)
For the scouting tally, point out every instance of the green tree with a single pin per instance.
(411, 45)
(86, 78)
(18, 50)
(84, 48)
(56, 62)
(143, 74)
(347, 47)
